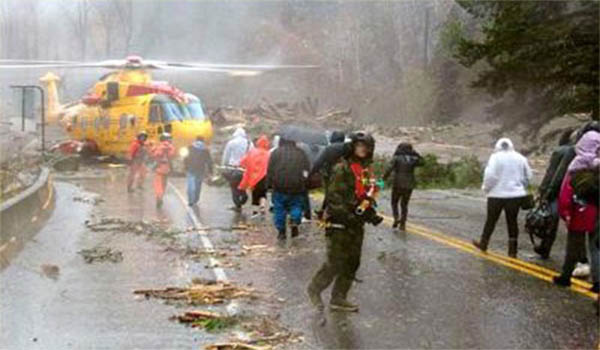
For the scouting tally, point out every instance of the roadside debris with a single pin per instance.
(236, 346)
(200, 293)
(101, 254)
(95, 200)
(66, 163)
(154, 228)
(267, 330)
(50, 271)
(209, 321)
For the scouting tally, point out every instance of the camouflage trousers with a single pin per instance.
(344, 248)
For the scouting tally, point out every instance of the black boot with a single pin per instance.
(482, 245)
(402, 225)
(512, 248)
(315, 298)
(281, 236)
(396, 223)
(541, 252)
(561, 281)
(295, 231)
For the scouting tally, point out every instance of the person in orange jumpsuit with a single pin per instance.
(255, 163)
(162, 154)
(138, 153)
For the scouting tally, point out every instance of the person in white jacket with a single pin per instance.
(505, 182)
(235, 149)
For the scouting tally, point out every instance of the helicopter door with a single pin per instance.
(154, 121)
(100, 128)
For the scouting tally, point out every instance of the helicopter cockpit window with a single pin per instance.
(155, 113)
(165, 109)
(196, 111)
(194, 107)
(171, 112)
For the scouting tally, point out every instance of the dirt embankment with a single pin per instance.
(19, 161)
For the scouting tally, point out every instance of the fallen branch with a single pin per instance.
(236, 346)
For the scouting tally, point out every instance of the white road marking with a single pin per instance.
(214, 263)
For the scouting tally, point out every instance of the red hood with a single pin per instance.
(263, 142)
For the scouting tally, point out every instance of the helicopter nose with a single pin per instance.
(185, 133)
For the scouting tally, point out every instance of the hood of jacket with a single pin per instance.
(404, 148)
(199, 145)
(263, 142)
(504, 144)
(337, 136)
(586, 151)
(239, 133)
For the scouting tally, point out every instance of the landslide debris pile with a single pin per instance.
(270, 114)
(17, 174)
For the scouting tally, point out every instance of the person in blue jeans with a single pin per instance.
(198, 163)
(287, 174)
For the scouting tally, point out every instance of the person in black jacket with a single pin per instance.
(328, 157)
(287, 174)
(549, 189)
(198, 164)
(403, 165)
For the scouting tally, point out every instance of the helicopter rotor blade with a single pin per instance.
(230, 69)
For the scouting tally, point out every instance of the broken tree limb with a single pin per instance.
(236, 346)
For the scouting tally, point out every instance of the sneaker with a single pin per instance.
(343, 305)
(395, 224)
(315, 299)
(295, 231)
(561, 281)
(581, 270)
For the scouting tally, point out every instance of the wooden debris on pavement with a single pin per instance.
(206, 294)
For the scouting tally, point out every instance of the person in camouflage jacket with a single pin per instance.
(344, 227)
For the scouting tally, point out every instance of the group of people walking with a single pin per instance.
(570, 188)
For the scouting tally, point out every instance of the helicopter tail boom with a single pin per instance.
(53, 102)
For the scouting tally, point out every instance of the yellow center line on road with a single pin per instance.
(540, 272)
(50, 193)
(516, 264)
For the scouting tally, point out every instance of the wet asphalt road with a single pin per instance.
(415, 293)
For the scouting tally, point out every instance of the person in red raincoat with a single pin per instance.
(255, 163)
(582, 221)
(138, 153)
(162, 154)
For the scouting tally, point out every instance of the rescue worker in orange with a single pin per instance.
(162, 154)
(255, 163)
(138, 152)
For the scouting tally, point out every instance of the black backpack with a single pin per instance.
(538, 221)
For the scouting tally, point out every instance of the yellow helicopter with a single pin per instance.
(126, 101)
